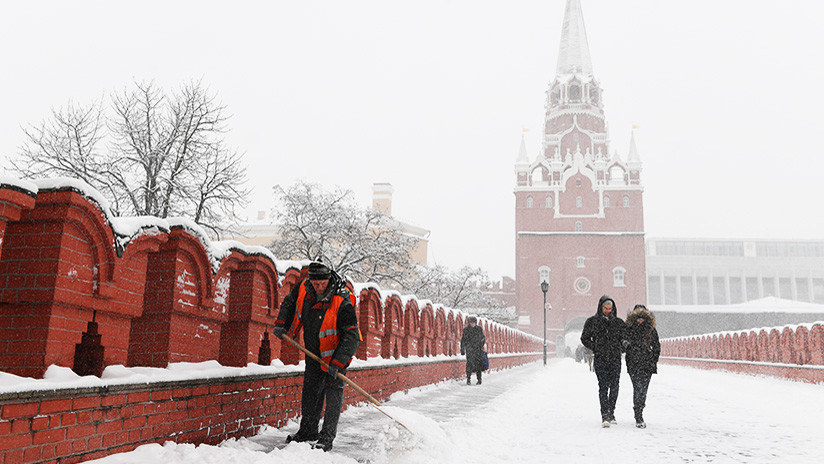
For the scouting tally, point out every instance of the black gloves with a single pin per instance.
(333, 371)
(279, 331)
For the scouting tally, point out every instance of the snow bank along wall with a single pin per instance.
(83, 289)
(794, 352)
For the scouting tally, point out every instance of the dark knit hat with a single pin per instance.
(472, 319)
(319, 271)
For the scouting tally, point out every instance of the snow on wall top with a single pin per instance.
(286, 264)
(19, 184)
(768, 304)
(127, 229)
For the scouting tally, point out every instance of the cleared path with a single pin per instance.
(537, 414)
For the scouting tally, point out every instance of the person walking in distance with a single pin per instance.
(643, 349)
(603, 334)
(323, 307)
(472, 345)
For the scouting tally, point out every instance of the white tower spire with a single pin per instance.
(573, 55)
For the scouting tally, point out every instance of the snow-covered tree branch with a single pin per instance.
(154, 153)
(328, 226)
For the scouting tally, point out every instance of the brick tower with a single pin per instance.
(579, 220)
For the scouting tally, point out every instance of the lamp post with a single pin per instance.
(544, 288)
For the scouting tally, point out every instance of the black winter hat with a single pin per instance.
(319, 271)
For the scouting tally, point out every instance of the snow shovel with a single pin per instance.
(352, 384)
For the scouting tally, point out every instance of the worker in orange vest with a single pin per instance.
(323, 307)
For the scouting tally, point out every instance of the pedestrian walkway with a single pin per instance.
(537, 414)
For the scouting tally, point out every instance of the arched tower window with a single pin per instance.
(616, 176)
(578, 226)
(543, 274)
(606, 201)
(626, 201)
(579, 261)
(529, 202)
(540, 176)
(549, 201)
(618, 275)
(574, 92)
(594, 95)
(555, 96)
(579, 202)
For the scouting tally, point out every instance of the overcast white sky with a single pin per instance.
(432, 97)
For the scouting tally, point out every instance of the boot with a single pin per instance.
(479, 378)
(639, 418)
(324, 443)
(301, 437)
(469, 379)
(605, 420)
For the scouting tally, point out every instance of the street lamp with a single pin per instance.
(544, 288)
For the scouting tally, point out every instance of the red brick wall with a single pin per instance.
(166, 294)
(74, 425)
(794, 352)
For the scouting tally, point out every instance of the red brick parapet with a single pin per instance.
(791, 351)
(84, 289)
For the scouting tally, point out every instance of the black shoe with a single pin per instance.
(323, 444)
(639, 418)
(301, 437)
(468, 381)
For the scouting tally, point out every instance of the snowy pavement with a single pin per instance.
(537, 414)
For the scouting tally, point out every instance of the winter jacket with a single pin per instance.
(641, 341)
(603, 334)
(316, 315)
(472, 344)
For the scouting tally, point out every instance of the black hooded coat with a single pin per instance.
(472, 343)
(603, 334)
(643, 347)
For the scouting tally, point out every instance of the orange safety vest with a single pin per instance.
(328, 328)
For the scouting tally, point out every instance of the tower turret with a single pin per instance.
(578, 212)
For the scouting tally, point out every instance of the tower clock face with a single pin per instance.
(582, 285)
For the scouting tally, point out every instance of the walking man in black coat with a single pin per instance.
(323, 307)
(603, 334)
(472, 344)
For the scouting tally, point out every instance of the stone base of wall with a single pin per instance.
(804, 373)
(73, 425)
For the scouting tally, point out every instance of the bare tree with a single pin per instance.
(166, 154)
(456, 289)
(366, 245)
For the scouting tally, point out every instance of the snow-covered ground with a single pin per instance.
(536, 414)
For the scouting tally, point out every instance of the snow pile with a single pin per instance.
(57, 377)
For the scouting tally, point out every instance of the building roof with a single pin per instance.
(768, 304)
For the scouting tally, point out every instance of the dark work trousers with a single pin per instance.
(609, 374)
(317, 387)
(640, 384)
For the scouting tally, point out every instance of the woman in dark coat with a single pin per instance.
(642, 348)
(472, 344)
